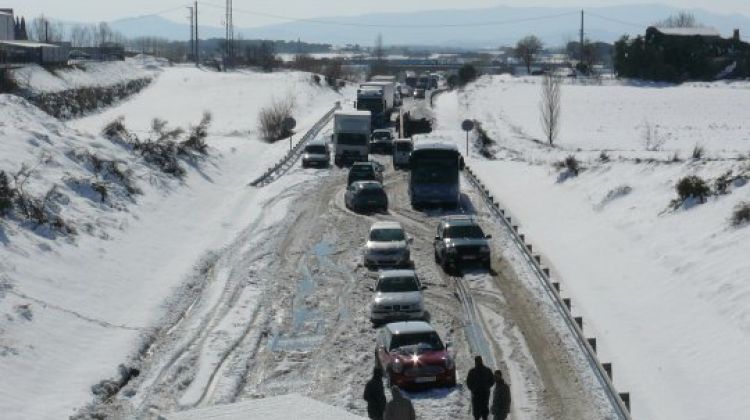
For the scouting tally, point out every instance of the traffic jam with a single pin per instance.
(409, 350)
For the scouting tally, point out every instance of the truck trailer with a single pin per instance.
(351, 136)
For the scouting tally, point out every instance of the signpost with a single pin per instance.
(288, 124)
(467, 126)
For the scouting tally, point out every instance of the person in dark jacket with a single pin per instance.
(375, 395)
(500, 398)
(480, 381)
(399, 408)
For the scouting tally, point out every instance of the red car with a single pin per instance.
(413, 356)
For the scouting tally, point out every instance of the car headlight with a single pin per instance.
(449, 364)
(397, 367)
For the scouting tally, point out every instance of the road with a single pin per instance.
(285, 310)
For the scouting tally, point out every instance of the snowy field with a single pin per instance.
(74, 308)
(664, 291)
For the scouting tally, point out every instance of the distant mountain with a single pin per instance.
(487, 27)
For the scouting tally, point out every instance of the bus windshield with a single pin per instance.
(373, 105)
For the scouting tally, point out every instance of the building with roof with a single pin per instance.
(682, 54)
(7, 25)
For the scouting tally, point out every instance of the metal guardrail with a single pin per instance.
(283, 165)
(621, 409)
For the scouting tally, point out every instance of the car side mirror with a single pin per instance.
(488, 236)
(437, 238)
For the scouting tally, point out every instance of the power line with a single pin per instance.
(371, 25)
(621, 22)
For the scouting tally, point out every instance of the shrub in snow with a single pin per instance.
(271, 119)
(6, 194)
(741, 215)
(652, 141)
(698, 152)
(485, 141)
(196, 139)
(675, 157)
(692, 187)
(604, 156)
(77, 102)
(571, 166)
(316, 79)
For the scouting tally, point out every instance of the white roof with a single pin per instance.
(701, 31)
(386, 225)
(409, 327)
(28, 44)
(396, 273)
(286, 407)
(353, 112)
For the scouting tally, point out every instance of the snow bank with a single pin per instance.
(37, 79)
(272, 408)
(664, 291)
(73, 309)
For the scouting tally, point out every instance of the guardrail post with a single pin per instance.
(556, 285)
(545, 270)
(538, 258)
(608, 368)
(592, 343)
(520, 235)
(529, 247)
(568, 303)
(625, 397)
(579, 321)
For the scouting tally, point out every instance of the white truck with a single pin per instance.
(351, 136)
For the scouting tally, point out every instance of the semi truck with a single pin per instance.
(351, 136)
(378, 98)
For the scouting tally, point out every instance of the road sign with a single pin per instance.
(289, 123)
(467, 125)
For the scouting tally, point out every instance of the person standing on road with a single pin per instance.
(375, 395)
(480, 381)
(500, 398)
(399, 408)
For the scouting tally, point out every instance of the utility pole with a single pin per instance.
(46, 31)
(582, 33)
(192, 32)
(197, 53)
(230, 32)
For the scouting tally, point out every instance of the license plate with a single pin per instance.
(469, 257)
(425, 379)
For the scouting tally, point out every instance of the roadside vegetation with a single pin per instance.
(271, 119)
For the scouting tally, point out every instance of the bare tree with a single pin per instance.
(44, 30)
(80, 36)
(682, 19)
(550, 107)
(652, 140)
(378, 53)
(527, 48)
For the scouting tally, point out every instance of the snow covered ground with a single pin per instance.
(74, 308)
(87, 74)
(664, 291)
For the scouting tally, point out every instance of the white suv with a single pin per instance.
(398, 296)
(387, 244)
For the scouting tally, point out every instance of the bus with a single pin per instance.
(434, 178)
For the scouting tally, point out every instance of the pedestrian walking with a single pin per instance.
(480, 381)
(500, 398)
(375, 395)
(399, 408)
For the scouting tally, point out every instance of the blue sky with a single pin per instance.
(97, 10)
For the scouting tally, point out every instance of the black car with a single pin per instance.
(459, 240)
(365, 171)
(382, 141)
(366, 196)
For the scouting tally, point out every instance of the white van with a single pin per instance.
(402, 149)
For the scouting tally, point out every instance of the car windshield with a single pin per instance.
(398, 285)
(403, 147)
(362, 170)
(382, 135)
(426, 341)
(469, 231)
(387, 235)
(316, 149)
(372, 192)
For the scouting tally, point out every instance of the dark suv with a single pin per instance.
(460, 239)
(365, 171)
